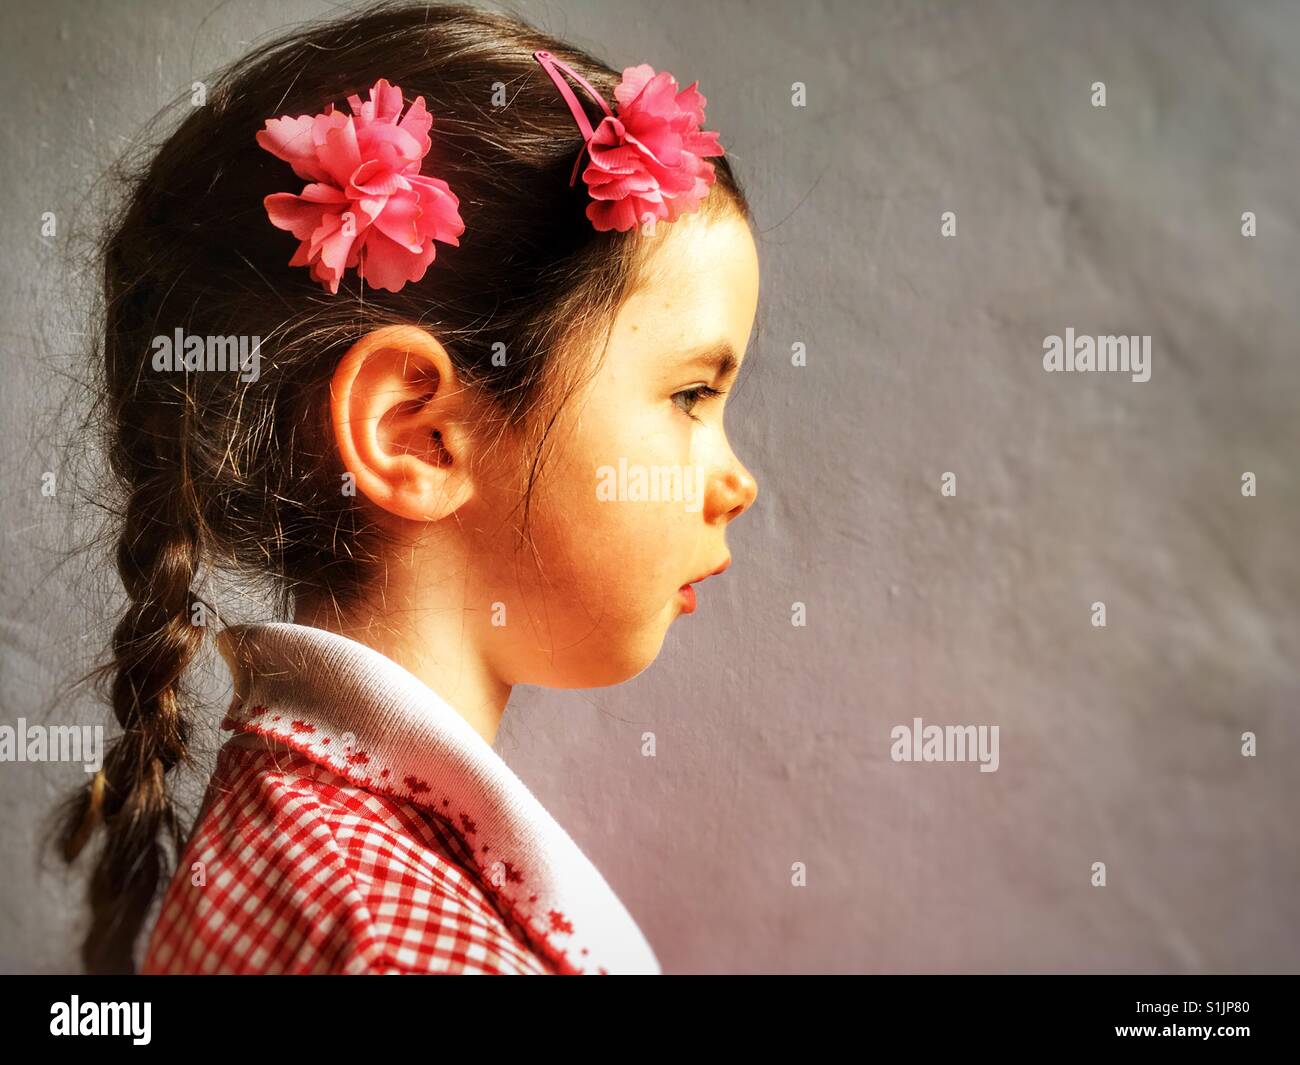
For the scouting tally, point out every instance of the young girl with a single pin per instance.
(489, 294)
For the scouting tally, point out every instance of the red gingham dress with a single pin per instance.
(390, 839)
(304, 872)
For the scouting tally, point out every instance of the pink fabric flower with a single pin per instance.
(648, 162)
(367, 204)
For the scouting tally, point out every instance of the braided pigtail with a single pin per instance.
(158, 556)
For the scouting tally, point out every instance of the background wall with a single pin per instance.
(1119, 744)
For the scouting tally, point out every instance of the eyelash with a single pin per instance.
(697, 393)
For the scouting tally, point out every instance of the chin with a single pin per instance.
(622, 664)
(605, 663)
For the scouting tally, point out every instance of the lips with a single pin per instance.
(687, 591)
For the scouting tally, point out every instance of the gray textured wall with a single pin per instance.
(1119, 744)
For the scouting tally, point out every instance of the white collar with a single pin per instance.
(348, 707)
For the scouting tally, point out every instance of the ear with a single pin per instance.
(401, 421)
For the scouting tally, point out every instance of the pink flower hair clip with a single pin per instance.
(367, 204)
(647, 163)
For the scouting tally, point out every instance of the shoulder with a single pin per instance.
(294, 869)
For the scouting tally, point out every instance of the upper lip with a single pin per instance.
(712, 573)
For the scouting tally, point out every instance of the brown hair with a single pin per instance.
(214, 471)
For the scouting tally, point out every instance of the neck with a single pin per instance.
(430, 640)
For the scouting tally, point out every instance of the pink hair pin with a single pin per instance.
(366, 205)
(648, 162)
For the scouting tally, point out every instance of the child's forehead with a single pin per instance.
(702, 250)
(699, 286)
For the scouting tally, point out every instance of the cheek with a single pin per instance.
(633, 551)
(598, 582)
(616, 557)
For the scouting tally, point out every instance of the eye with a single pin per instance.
(687, 398)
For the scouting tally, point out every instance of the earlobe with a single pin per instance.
(400, 419)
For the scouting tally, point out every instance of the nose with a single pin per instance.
(733, 493)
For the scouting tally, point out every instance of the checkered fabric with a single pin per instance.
(293, 869)
(388, 838)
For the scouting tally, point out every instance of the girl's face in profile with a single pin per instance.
(641, 483)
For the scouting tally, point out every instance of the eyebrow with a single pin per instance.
(721, 356)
